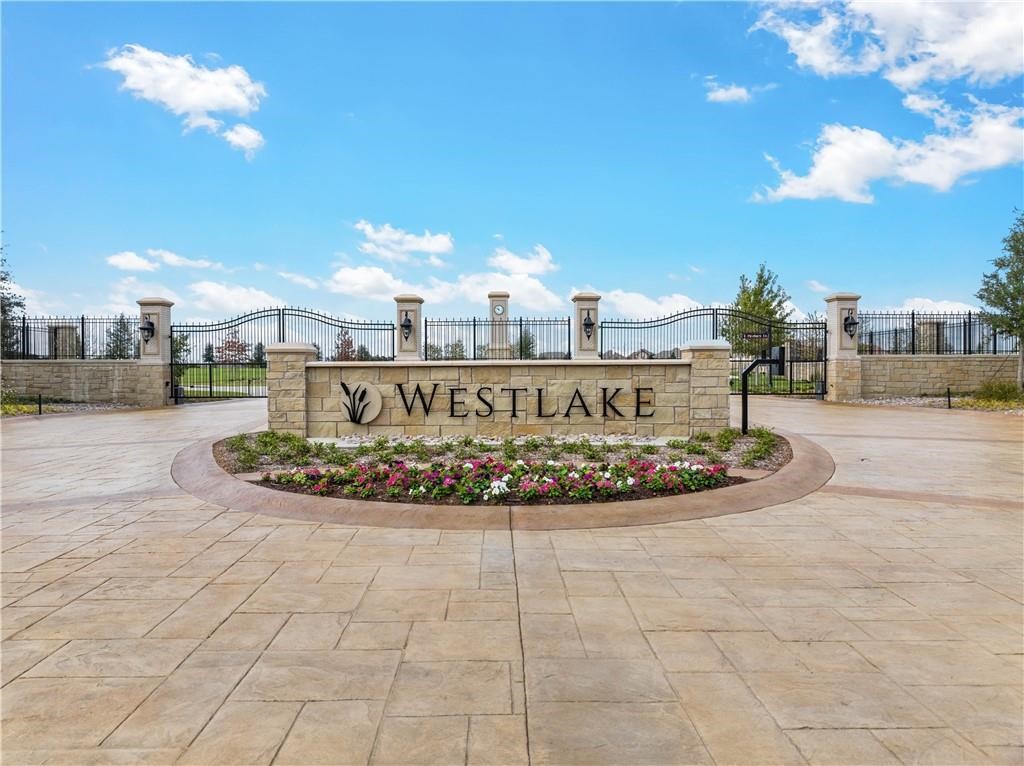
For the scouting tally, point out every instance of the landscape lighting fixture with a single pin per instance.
(588, 325)
(147, 329)
(850, 324)
(406, 326)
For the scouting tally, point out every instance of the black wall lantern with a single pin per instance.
(406, 326)
(850, 323)
(588, 325)
(147, 330)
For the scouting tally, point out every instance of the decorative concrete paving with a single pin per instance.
(876, 621)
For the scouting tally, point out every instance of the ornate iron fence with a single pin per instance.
(914, 332)
(228, 359)
(749, 336)
(512, 338)
(79, 337)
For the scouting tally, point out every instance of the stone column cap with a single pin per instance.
(282, 348)
(589, 297)
(841, 297)
(497, 294)
(408, 299)
(705, 345)
(155, 302)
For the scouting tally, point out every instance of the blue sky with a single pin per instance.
(236, 155)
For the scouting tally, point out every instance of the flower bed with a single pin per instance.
(494, 481)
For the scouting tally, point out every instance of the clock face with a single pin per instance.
(499, 310)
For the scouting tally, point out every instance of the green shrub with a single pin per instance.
(1000, 391)
(726, 438)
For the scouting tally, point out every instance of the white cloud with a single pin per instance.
(259, 266)
(246, 138)
(436, 262)
(130, 261)
(909, 43)
(817, 287)
(191, 91)
(298, 279)
(230, 299)
(731, 93)
(847, 160)
(539, 261)
(633, 305)
(697, 269)
(124, 294)
(378, 284)
(37, 302)
(929, 305)
(727, 94)
(397, 245)
(173, 259)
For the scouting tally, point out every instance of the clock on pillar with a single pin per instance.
(499, 345)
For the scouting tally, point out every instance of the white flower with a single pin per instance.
(686, 464)
(630, 481)
(618, 484)
(573, 475)
(507, 477)
(607, 474)
(551, 462)
(520, 462)
(468, 466)
(698, 467)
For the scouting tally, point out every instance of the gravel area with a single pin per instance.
(938, 402)
(54, 408)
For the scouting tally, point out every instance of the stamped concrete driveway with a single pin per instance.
(876, 621)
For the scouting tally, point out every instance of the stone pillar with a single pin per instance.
(409, 316)
(709, 385)
(586, 346)
(286, 386)
(155, 354)
(65, 341)
(498, 314)
(843, 365)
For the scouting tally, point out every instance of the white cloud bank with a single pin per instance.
(131, 261)
(514, 273)
(395, 245)
(227, 299)
(913, 45)
(191, 91)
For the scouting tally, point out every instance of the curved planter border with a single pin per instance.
(195, 471)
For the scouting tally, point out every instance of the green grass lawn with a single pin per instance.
(758, 384)
(223, 375)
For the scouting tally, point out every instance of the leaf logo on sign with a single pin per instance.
(357, 402)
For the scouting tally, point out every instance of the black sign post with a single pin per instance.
(778, 359)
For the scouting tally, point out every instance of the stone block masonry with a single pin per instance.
(89, 380)
(930, 374)
(498, 398)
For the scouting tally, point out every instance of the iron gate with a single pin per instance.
(750, 337)
(226, 360)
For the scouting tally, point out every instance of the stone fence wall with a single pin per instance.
(498, 398)
(120, 381)
(931, 374)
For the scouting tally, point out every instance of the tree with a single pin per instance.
(319, 353)
(208, 356)
(1002, 291)
(344, 350)
(762, 297)
(181, 346)
(12, 307)
(434, 351)
(259, 354)
(233, 350)
(455, 350)
(526, 346)
(121, 342)
(363, 354)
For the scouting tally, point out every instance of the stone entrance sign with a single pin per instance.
(665, 397)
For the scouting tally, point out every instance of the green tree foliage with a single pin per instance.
(121, 341)
(181, 347)
(434, 352)
(762, 297)
(208, 356)
(1002, 290)
(526, 346)
(12, 307)
(259, 353)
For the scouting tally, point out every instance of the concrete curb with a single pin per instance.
(195, 471)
